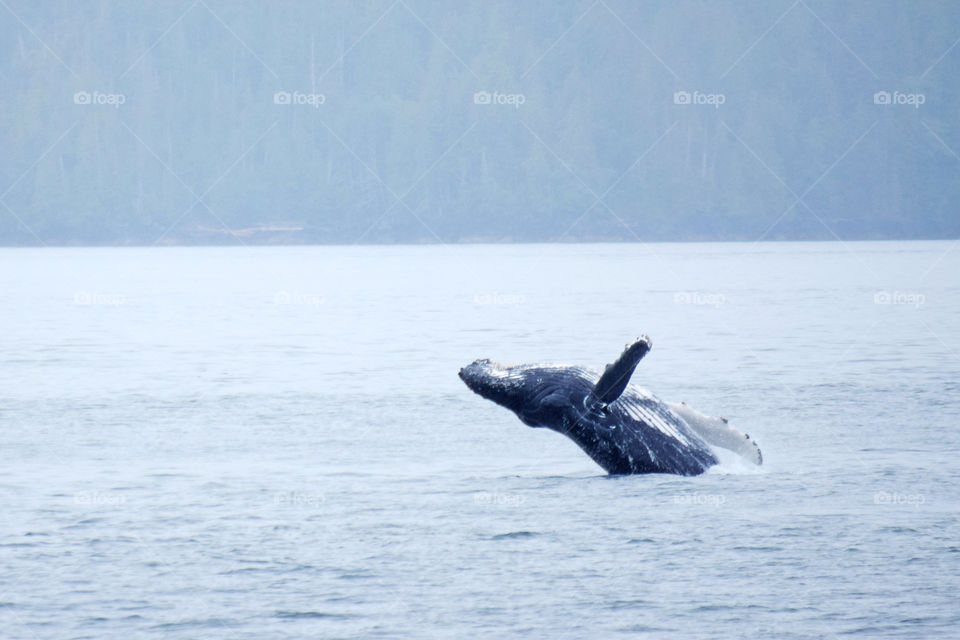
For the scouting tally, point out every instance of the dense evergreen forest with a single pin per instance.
(220, 121)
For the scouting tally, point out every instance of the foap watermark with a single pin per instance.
(97, 499)
(485, 97)
(911, 99)
(98, 98)
(911, 298)
(712, 99)
(700, 298)
(899, 499)
(498, 299)
(297, 98)
(499, 499)
(92, 298)
(295, 298)
(708, 499)
(299, 499)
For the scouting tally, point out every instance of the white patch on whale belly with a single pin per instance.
(643, 414)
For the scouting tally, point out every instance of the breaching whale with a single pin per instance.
(623, 428)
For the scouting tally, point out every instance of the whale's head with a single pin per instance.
(538, 395)
(500, 383)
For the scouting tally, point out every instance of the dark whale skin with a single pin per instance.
(636, 433)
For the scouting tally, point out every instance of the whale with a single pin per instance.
(624, 428)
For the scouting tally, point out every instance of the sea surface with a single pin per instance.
(272, 442)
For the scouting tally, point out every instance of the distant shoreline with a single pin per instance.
(464, 243)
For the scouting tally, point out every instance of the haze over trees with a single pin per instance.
(215, 121)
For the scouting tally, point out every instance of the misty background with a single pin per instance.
(208, 121)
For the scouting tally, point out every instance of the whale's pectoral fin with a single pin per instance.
(719, 433)
(617, 375)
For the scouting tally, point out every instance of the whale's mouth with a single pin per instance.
(493, 381)
(477, 374)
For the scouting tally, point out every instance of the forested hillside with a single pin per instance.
(216, 121)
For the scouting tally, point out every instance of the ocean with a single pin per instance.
(272, 442)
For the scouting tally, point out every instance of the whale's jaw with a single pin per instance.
(501, 384)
